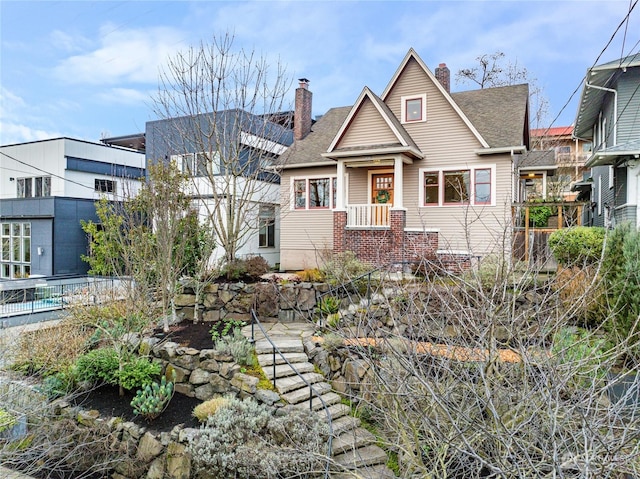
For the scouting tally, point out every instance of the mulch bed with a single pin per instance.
(108, 402)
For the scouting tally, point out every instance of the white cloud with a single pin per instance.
(124, 56)
(125, 96)
(11, 133)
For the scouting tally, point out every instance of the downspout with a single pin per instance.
(615, 108)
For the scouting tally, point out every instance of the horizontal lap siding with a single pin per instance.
(628, 106)
(303, 232)
(447, 142)
(367, 128)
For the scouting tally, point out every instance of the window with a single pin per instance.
(473, 186)
(456, 186)
(15, 250)
(42, 186)
(105, 186)
(482, 186)
(198, 164)
(314, 193)
(563, 149)
(431, 187)
(413, 108)
(267, 227)
(586, 147)
(33, 187)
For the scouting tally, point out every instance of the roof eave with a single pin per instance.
(501, 149)
(375, 151)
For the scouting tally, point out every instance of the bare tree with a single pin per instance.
(491, 72)
(220, 103)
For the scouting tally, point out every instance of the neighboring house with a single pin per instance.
(46, 188)
(608, 117)
(257, 142)
(417, 172)
(559, 162)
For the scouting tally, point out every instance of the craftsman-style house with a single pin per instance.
(417, 172)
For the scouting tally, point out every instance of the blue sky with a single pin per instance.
(87, 69)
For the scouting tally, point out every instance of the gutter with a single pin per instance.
(615, 108)
(504, 149)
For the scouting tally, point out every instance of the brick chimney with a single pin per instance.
(302, 113)
(443, 75)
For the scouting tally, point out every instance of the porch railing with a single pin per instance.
(365, 216)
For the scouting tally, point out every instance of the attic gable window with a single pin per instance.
(414, 108)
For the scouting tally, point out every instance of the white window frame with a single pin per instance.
(187, 163)
(403, 108)
(292, 198)
(611, 173)
(11, 243)
(267, 220)
(472, 180)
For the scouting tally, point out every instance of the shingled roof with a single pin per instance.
(308, 151)
(499, 114)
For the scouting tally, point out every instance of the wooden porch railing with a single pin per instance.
(364, 216)
(534, 222)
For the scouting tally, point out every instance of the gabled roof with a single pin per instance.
(537, 160)
(308, 151)
(499, 113)
(591, 99)
(411, 54)
(404, 140)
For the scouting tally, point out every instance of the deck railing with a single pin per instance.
(365, 216)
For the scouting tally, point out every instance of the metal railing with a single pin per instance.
(368, 215)
(36, 296)
(275, 350)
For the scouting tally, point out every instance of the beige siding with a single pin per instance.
(304, 234)
(367, 128)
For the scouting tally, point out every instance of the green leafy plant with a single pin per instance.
(539, 214)
(56, 385)
(137, 372)
(578, 245)
(328, 305)
(237, 346)
(153, 399)
(228, 328)
(7, 420)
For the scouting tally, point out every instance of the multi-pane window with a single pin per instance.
(267, 227)
(15, 250)
(314, 193)
(33, 187)
(105, 186)
(458, 187)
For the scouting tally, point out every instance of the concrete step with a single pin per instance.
(284, 370)
(344, 424)
(350, 440)
(302, 394)
(336, 410)
(379, 471)
(291, 383)
(293, 358)
(330, 398)
(362, 457)
(284, 345)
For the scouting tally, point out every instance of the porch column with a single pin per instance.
(398, 202)
(340, 199)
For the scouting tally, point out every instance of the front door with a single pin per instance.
(382, 188)
(381, 194)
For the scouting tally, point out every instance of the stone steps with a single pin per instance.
(370, 472)
(344, 424)
(302, 394)
(267, 358)
(293, 383)
(285, 370)
(284, 345)
(329, 399)
(362, 457)
(353, 439)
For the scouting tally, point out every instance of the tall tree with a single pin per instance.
(220, 102)
(491, 71)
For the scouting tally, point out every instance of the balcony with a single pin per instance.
(368, 216)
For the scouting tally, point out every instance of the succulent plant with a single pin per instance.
(152, 400)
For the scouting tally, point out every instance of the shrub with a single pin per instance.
(153, 399)
(311, 275)
(7, 420)
(328, 305)
(539, 215)
(581, 294)
(578, 245)
(103, 365)
(237, 346)
(225, 328)
(208, 408)
(256, 266)
(244, 440)
(57, 385)
(234, 270)
(344, 267)
(580, 351)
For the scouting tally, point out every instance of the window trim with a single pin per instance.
(107, 182)
(333, 180)
(472, 186)
(403, 108)
(267, 220)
